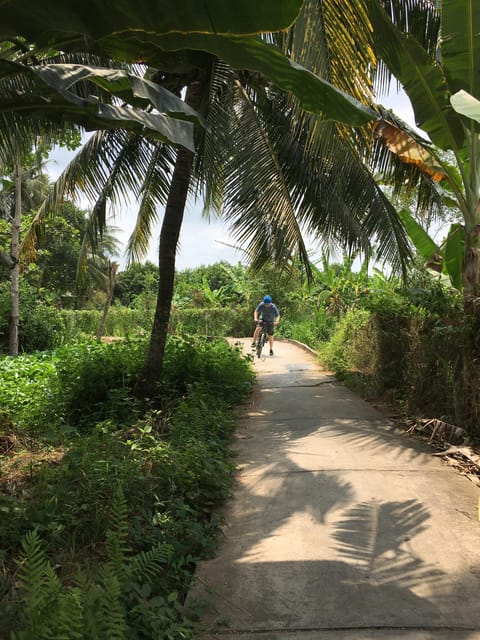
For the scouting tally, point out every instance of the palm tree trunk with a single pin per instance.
(15, 273)
(169, 234)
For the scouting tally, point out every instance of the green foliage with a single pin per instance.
(312, 327)
(95, 380)
(129, 503)
(134, 281)
(405, 345)
(121, 600)
(41, 326)
(343, 352)
(207, 286)
(29, 390)
(58, 251)
(121, 322)
(224, 321)
(74, 387)
(213, 364)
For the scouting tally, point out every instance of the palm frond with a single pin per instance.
(214, 145)
(419, 18)
(108, 171)
(333, 39)
(258, 200)
(153, 193)
(373, 535)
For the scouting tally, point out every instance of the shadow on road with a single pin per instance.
(337, 522)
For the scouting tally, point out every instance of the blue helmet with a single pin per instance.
(267, 299)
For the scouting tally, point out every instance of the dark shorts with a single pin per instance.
(269, 326)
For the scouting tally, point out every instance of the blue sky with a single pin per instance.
(203, 242)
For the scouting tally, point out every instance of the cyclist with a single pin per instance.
(266, 312)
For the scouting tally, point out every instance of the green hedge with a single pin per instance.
(411, 357)
(224, 321)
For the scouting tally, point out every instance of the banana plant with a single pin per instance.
(446, 258)
(175, 40)
(442, 81)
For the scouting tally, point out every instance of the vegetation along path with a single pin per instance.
(339, 527)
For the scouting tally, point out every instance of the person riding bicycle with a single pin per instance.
(266, 312)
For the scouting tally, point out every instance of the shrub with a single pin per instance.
(40, 327)
(346, 349)
(96, 381)
(222, 321)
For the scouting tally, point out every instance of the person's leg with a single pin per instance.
(256, 333)
(270, 339)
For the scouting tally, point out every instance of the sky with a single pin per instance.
(201, 242)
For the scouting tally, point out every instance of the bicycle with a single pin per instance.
(262, 338)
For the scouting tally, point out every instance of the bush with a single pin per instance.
(41, 326)
(346, 350)
(224, 321)
(75, 386)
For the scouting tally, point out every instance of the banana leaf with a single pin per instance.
(454, 252)
(143, 31)
(49, 21)
(46, 92)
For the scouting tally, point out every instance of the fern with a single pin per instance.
(117, 534)
(149, 564)
(38, 585)
(32, 573)
(70, 616)
(122, 602)
(113, 616)
(48, 612)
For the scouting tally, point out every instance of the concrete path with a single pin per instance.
(340, 527)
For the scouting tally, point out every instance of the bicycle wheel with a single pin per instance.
(260, 343)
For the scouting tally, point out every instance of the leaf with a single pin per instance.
(422, 78)
(127, 86)
(405, 146)
(314, 93)
(49, 96)
(422, 242)
(461, 45)
(466, 105)
(144, 34)
(45, 23)
(454, 253)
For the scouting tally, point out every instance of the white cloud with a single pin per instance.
(201, 242)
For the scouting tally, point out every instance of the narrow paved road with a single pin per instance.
(340, 527)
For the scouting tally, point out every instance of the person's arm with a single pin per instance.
(255, 315)
(277, 317)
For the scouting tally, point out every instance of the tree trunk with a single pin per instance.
(15, 273)
(169, 234)
(112, 274)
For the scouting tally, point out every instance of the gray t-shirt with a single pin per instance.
(267, 312)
